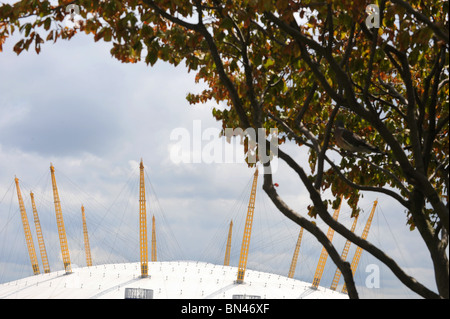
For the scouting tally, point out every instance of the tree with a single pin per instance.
(299, 66)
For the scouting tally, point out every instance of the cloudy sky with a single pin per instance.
(95, 118)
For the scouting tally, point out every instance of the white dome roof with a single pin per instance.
(166, 280)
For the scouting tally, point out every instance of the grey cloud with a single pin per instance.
(63, 127)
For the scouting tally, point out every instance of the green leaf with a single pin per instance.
(107, 34)
(152, 57)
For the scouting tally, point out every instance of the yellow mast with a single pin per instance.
(247, 231)
(358, 251)
(27, 231)
(337, 274)
(87, 247)
(153, 239)
(143, 224)
(226, 261)
(40, 237)
(60, 222)
(295, 257)
(324, 253)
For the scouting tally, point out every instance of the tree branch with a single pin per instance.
(164, 14)
(443, 34)
(368, 188)
(304, 108)
(343, 266)
(324, 148)
(409, 281)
